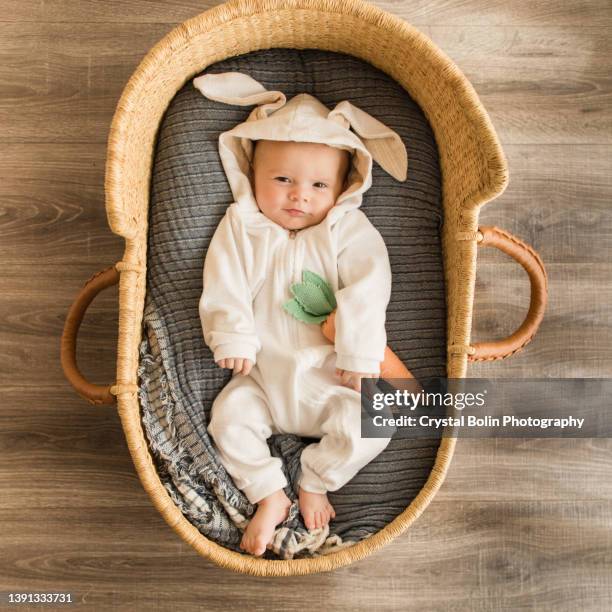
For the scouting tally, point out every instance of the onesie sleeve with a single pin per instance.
(226, 304)
(365, 289)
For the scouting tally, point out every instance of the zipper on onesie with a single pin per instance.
(292, 234)
(294, 276)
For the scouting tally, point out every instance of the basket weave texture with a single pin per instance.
(473, 172)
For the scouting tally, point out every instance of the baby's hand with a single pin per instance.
(239, 365)
(353, 379)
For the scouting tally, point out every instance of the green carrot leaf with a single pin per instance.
(294, 308)
(315, 279)
(311, 298)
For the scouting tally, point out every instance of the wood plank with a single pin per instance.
(35, 303)
(61, 84)
(473, 555)
(534, 470)
(575, 338)
(110, 11)
(53, 205)
(418, 12)
(65, 433)
(558, 201)
(540, 85)
(61, 452)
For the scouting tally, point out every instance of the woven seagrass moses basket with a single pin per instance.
(473, 171)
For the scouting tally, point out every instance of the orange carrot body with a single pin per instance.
(391, 367)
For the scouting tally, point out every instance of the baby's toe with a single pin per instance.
(245, 543)
(309, 520)
(251, 545)
(259, 546)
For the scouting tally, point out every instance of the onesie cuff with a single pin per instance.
(310, 482)
(255, 492)
(358, 364)
(235, 350)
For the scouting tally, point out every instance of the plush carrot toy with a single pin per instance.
(314, 302)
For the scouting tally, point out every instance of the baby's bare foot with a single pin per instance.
(316, 509)
(271, 511)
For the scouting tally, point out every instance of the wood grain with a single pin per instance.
(465, 556)
(62, 87)
(518, 524)
(557, 200)
(53, 206)
(575, 338)
(422, 12)
(535, 470)
(32, 315)
(541, 85)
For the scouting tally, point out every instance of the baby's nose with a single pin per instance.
(300, 194)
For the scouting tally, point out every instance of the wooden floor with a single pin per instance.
(518, 524)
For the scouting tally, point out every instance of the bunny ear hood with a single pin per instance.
(302, 119)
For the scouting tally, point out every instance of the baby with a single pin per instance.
(297, 173)
(296, 199)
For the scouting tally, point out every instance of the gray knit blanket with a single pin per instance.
(178, 378)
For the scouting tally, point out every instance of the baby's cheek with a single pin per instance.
(325, 207)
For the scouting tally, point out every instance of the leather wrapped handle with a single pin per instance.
(533, 265)
(94, 394)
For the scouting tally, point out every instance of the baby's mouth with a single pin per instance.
(295, 212)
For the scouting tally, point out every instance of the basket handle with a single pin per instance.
(94, 394)
(531, 262)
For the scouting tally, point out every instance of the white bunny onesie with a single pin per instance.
(250, 265)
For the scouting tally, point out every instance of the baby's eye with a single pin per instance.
(283, 179)
(321, 185)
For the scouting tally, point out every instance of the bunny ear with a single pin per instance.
(240, 90)
(382, 142)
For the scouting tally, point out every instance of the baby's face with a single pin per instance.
(296, 183)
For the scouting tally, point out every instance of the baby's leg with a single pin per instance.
(330, 463)
(240, 425)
